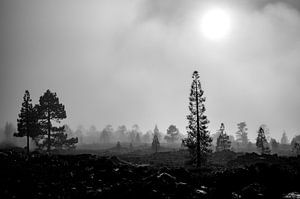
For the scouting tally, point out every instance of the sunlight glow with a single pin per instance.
(215, 24)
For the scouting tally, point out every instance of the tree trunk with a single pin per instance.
(198, 127)
(27, 142)
(49, 129)
(27, 130)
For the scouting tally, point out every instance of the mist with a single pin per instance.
(106, 67)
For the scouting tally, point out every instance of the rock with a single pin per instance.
(292, 195)
(252, 191)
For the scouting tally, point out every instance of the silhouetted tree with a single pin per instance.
(261, 141)
(155, 143)
(157, 133)
(28, 120)
(223, 142)
(172, 134)
(198, 140)
(49, 111)
(242, 135)
(284, 139)
(62, 142)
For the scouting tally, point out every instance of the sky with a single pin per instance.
(130, 62)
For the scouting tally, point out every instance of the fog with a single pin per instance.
(126, 62)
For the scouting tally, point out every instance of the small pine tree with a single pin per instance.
(198, 140)
(223, 142)
(28, 120)
(261, 141)
(155, 141)
(242, 135)
(157, 133)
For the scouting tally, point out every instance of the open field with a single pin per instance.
(142, 174)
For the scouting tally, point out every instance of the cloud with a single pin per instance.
(128, 62)
(177, 11)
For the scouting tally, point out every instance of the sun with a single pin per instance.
(215, 24)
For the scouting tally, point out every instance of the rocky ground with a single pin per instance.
(91, 176)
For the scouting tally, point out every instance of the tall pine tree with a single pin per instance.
(50, 111)
(261, 141)
(198, 140)
(223, 142)
(28, 120)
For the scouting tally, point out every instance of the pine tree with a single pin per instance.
(28, 120)
(223, 142)
(157, 133)
(49, 111)
(261, 141)
(155, 143)
(61, 141)
(172, 134)
(242, 135)
(198, 140)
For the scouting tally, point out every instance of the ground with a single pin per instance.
(144, 174)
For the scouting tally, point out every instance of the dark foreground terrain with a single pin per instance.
(228, 175)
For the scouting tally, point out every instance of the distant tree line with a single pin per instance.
(40, 123)
(122, 134)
